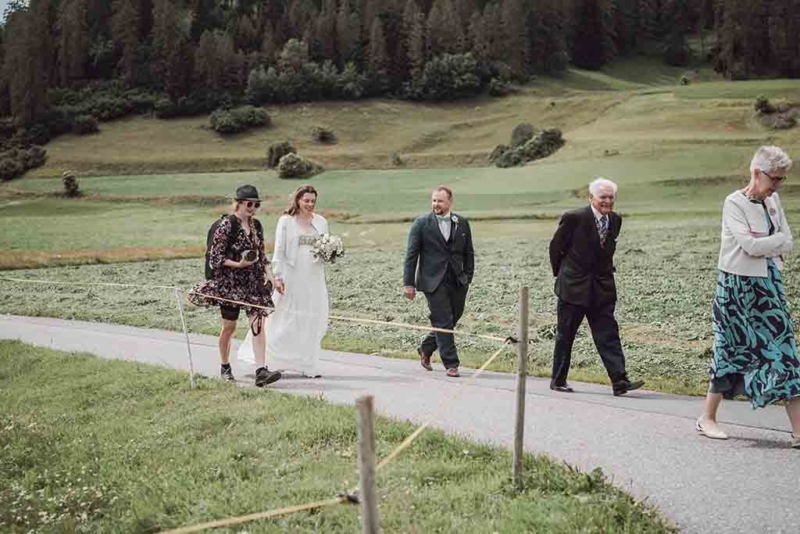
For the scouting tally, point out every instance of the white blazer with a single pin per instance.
(286, 236)
(746, 243)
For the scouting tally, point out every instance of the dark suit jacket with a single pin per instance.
(584, 269)
(429, 255)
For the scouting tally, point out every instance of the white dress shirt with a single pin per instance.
(444, 226)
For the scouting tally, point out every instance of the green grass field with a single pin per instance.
(676, 152)
(121, 447)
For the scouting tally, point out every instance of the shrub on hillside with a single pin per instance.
(277, 150)
(85, 125)
(324, 135)
(230, 121)
(16, 161)
(10, 168)
(521, 134)
(294, 166)
(71, 188)
(539, 146)
(763, 106)
(498, 151)
(543, 144)
(498, 87)
(165, 109)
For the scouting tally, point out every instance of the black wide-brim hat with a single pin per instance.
(247, 192)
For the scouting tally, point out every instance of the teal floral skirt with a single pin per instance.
(755, 353)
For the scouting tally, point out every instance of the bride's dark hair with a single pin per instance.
(294, 199)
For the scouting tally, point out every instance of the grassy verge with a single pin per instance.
(121, 447)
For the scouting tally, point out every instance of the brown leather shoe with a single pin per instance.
(453, 372)
(424, 361)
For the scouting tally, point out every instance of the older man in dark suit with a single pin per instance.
(582, 258)
(440, 262)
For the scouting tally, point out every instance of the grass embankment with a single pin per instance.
(121, 447)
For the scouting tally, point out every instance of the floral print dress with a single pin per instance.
(241, 285)
(755, 352)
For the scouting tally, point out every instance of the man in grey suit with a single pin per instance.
(440, 262)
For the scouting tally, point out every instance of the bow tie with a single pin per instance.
(442, 217)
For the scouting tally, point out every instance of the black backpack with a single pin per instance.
(235, 225)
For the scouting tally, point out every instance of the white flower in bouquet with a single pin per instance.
(327, 248)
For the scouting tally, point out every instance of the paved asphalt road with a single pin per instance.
(645, 441)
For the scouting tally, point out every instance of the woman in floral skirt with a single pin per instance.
(755, 352)
(239, 279)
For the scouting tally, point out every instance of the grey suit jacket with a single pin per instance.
(428, 255)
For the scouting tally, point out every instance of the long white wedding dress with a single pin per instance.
(296, 328)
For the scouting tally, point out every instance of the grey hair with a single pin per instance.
(770, 158)
(600, 183)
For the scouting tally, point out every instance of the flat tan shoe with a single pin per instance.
(795, 442)
(709, 429)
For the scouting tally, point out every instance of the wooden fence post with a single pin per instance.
(192, 380)
(522, 375)
(366, 464)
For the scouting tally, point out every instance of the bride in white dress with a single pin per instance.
(300, 320)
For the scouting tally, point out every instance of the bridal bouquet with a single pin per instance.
(327, 248)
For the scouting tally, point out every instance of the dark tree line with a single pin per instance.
(192, 51)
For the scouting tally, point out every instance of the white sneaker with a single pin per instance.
(710, 429)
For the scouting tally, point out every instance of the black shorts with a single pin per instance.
(230, 313)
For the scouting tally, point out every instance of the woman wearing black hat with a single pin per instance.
(241, 274)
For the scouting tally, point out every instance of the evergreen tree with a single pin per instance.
(300, 15)
(324, 46)
(493, 29)
(480, 44)
(378, 58)
(784, 24)
(348, 34)
(125, 34)
(515, 36)
(28, 60)
(73, 45)
(205, 17)
(627, 25)
(742, 39)
(546, 37)
(269, 47)
(444, 29)
(593, 44)
(171, 56)
(246, 34)
(678, 18)
(415, 36)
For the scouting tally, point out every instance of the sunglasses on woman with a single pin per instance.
(251, 204)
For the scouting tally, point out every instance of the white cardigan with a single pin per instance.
(286, 237)
(746, 243)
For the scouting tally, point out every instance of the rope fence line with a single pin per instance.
(407, 326)
(344, 499)
(65, 283)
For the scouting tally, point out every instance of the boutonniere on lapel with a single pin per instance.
(772, 211)
(454, 219)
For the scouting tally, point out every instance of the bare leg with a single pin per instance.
(225, 336)
(793, 410)
(707, 424)
(259, 341)
(713, 401)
